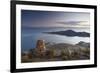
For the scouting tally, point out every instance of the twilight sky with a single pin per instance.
(33, 18)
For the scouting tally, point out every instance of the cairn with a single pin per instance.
(40, 48)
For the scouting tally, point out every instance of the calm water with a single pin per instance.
(30, 36)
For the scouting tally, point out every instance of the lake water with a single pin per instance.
(29, 36)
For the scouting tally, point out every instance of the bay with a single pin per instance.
(29, 36)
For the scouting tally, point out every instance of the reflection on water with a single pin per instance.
(30, 36)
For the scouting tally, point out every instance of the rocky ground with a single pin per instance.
(59, 52)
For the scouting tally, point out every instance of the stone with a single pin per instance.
(40, 48)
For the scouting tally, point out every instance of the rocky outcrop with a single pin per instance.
(82, 50)
(57, 52)
(84, 44)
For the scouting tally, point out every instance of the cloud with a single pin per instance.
(80, 24)
(73, 22)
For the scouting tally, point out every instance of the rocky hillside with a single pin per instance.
(59, 52)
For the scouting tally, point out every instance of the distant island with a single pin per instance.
(70, 33)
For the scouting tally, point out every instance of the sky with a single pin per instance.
(33, 18)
